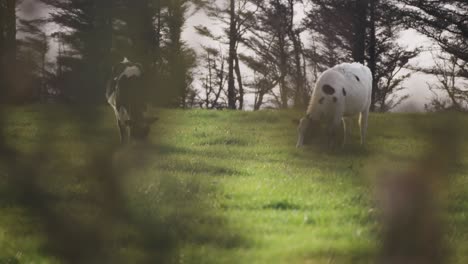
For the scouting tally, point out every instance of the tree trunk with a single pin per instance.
(232, 55)
(359, 37)
(142, 32)
(103, 37)
(259, 100)
(372, 52)
(2, 50)
(43, 88)
(300, 95)
(239, 83)
(9, 48)
(284, 95)
(299, 79)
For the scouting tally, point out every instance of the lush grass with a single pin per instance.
(229, 186)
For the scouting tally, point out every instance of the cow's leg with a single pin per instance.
(123, 132)
(363, 125)
(345, 131)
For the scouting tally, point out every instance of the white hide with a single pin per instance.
(122, 115)
(351, 84)
(130, 71)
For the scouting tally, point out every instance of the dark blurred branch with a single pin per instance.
(411, 200)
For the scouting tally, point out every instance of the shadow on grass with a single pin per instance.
(281, 205)
(227, 141)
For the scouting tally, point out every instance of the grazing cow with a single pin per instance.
(341, 91)
(125, 94)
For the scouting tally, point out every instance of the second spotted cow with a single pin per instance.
(341, 91)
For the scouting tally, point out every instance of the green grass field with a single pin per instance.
(219, 186)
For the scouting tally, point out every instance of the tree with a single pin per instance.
(86, 30)
(214, 81)
(359, 10)
(170, 61)
(338, 27)
(265, 77)
(31, 58)
(236, 17)
(363, 31)
(276, 44)
(385, 57)
(7, 47)
(451, 91)
(445, 22)
(177, 52)
(232, 54)
(389, 79)
(274, 21)
(298, 72)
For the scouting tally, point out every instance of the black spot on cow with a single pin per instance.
(357, 78)
(335, 99)
(328, 89)
(321, 100)
(344, 91)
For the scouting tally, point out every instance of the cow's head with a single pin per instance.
(140, 129)
(306, 129)
(119, 68)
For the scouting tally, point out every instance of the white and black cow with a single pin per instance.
(342, 91)
(125, 94)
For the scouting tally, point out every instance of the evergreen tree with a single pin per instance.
(385, 57)
(7, 47)
(442, 21)
(363, 31)
(86, 30)
(31, 59)
(236, 16)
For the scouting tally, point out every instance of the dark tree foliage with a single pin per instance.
(237, 17)
(7, 47)
(298, 71)
(445, 22)
(86, 29)
(97, 34)
(213, 94)
(362, 31)
(331, 22)
(31, 59)
(273, 21)
(277, 58)
(451, 90)
(385, 57)
(178, 59)
(265, 75)
(232, 54)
